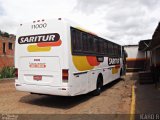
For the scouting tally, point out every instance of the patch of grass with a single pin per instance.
(7, 72)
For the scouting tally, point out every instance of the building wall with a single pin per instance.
(7, 51)
(136, 59)
(156, 56)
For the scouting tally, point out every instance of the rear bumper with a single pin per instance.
(39, 89)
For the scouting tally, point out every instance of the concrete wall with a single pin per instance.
(156, 56)
(136, 59)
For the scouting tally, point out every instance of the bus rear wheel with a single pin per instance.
(99, 87)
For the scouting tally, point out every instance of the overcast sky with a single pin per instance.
(122, 21)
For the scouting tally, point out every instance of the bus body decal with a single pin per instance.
(44, 42)
(52, 37)
(92, 60)
(113, 61)
(116, 62)
(115, 70)
(81, 63)
(35, 48)
(85, 62)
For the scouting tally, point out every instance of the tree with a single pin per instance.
(5, 34)
(0, 33)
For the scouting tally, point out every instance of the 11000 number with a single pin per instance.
(37, 26)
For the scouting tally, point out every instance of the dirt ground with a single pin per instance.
(115, 99)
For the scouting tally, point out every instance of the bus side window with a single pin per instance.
(106, 48)
(112, 50)
(95, 45)
(76, 40)
(109, 49)
(101, 47)
(73, 39)
(115, 50)
(98, 46)
(119, 51)
(84, 42)
(90, 44)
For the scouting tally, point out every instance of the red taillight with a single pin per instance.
(16, 72)
(65, 75)
(37, 77)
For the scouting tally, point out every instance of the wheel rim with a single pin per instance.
(99, 87)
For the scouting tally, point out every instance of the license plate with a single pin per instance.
(37, 77)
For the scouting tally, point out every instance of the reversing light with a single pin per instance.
(65, 75)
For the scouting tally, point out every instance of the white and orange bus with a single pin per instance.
(56, 57)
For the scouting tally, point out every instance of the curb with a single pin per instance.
(132, 112)
(7, 79)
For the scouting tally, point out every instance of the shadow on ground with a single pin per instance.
(147, 99)
(61, 101)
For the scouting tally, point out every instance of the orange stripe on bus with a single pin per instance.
(35, 48)
(92, 60)
(47, 44)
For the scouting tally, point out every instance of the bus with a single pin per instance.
(57, 57)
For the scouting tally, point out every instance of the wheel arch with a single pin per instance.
(100, 77)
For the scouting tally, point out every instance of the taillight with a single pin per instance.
(16, 72)
(65, 75)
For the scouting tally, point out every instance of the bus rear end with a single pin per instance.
(41, 58)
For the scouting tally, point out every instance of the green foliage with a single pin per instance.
(0, 32)
(7, 72)
(4, 34)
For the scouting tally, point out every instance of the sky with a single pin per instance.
(121, 21)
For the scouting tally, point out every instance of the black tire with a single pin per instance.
(99, 87)
(121, 73)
